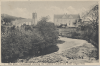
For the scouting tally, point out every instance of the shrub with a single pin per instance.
(18, 42)
(48, 30)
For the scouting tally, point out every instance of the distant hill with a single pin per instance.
(8, 18)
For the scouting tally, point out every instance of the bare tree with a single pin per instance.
(92, 15)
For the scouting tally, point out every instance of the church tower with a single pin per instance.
(34, 18)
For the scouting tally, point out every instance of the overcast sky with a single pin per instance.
(44, 8)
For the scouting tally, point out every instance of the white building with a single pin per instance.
(20, 22)
(69, 19)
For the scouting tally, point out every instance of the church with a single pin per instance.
(70, 20)
(20, 22)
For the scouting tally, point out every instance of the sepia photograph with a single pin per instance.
(50, 32)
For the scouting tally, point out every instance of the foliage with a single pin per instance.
(48, 30)
(8, 18)
(18, 42)
(81, 52)
(89, 31)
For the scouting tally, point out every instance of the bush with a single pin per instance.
(81, 52)
(18, 42)
(48, 30)
(90, 33)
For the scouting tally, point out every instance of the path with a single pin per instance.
(54, 57)
(69, 43)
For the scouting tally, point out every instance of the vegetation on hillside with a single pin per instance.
(26, 40)
(8, 18)
(89, 31)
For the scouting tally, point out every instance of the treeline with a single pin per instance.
(17, 42)
(8, 18)
(90, 31)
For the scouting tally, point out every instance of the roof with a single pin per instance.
(19, 21)
(23, 20)
(67, 16)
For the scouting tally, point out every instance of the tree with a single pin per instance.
(92, 15)
(91, 29)
(48, 30)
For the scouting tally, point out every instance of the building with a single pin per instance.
(34, 18)
(69, 20)
(20, 22)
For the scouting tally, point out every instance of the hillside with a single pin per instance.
(8, 18)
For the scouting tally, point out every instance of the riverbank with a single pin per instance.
(70, 51)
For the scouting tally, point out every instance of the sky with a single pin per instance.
(44, 8)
